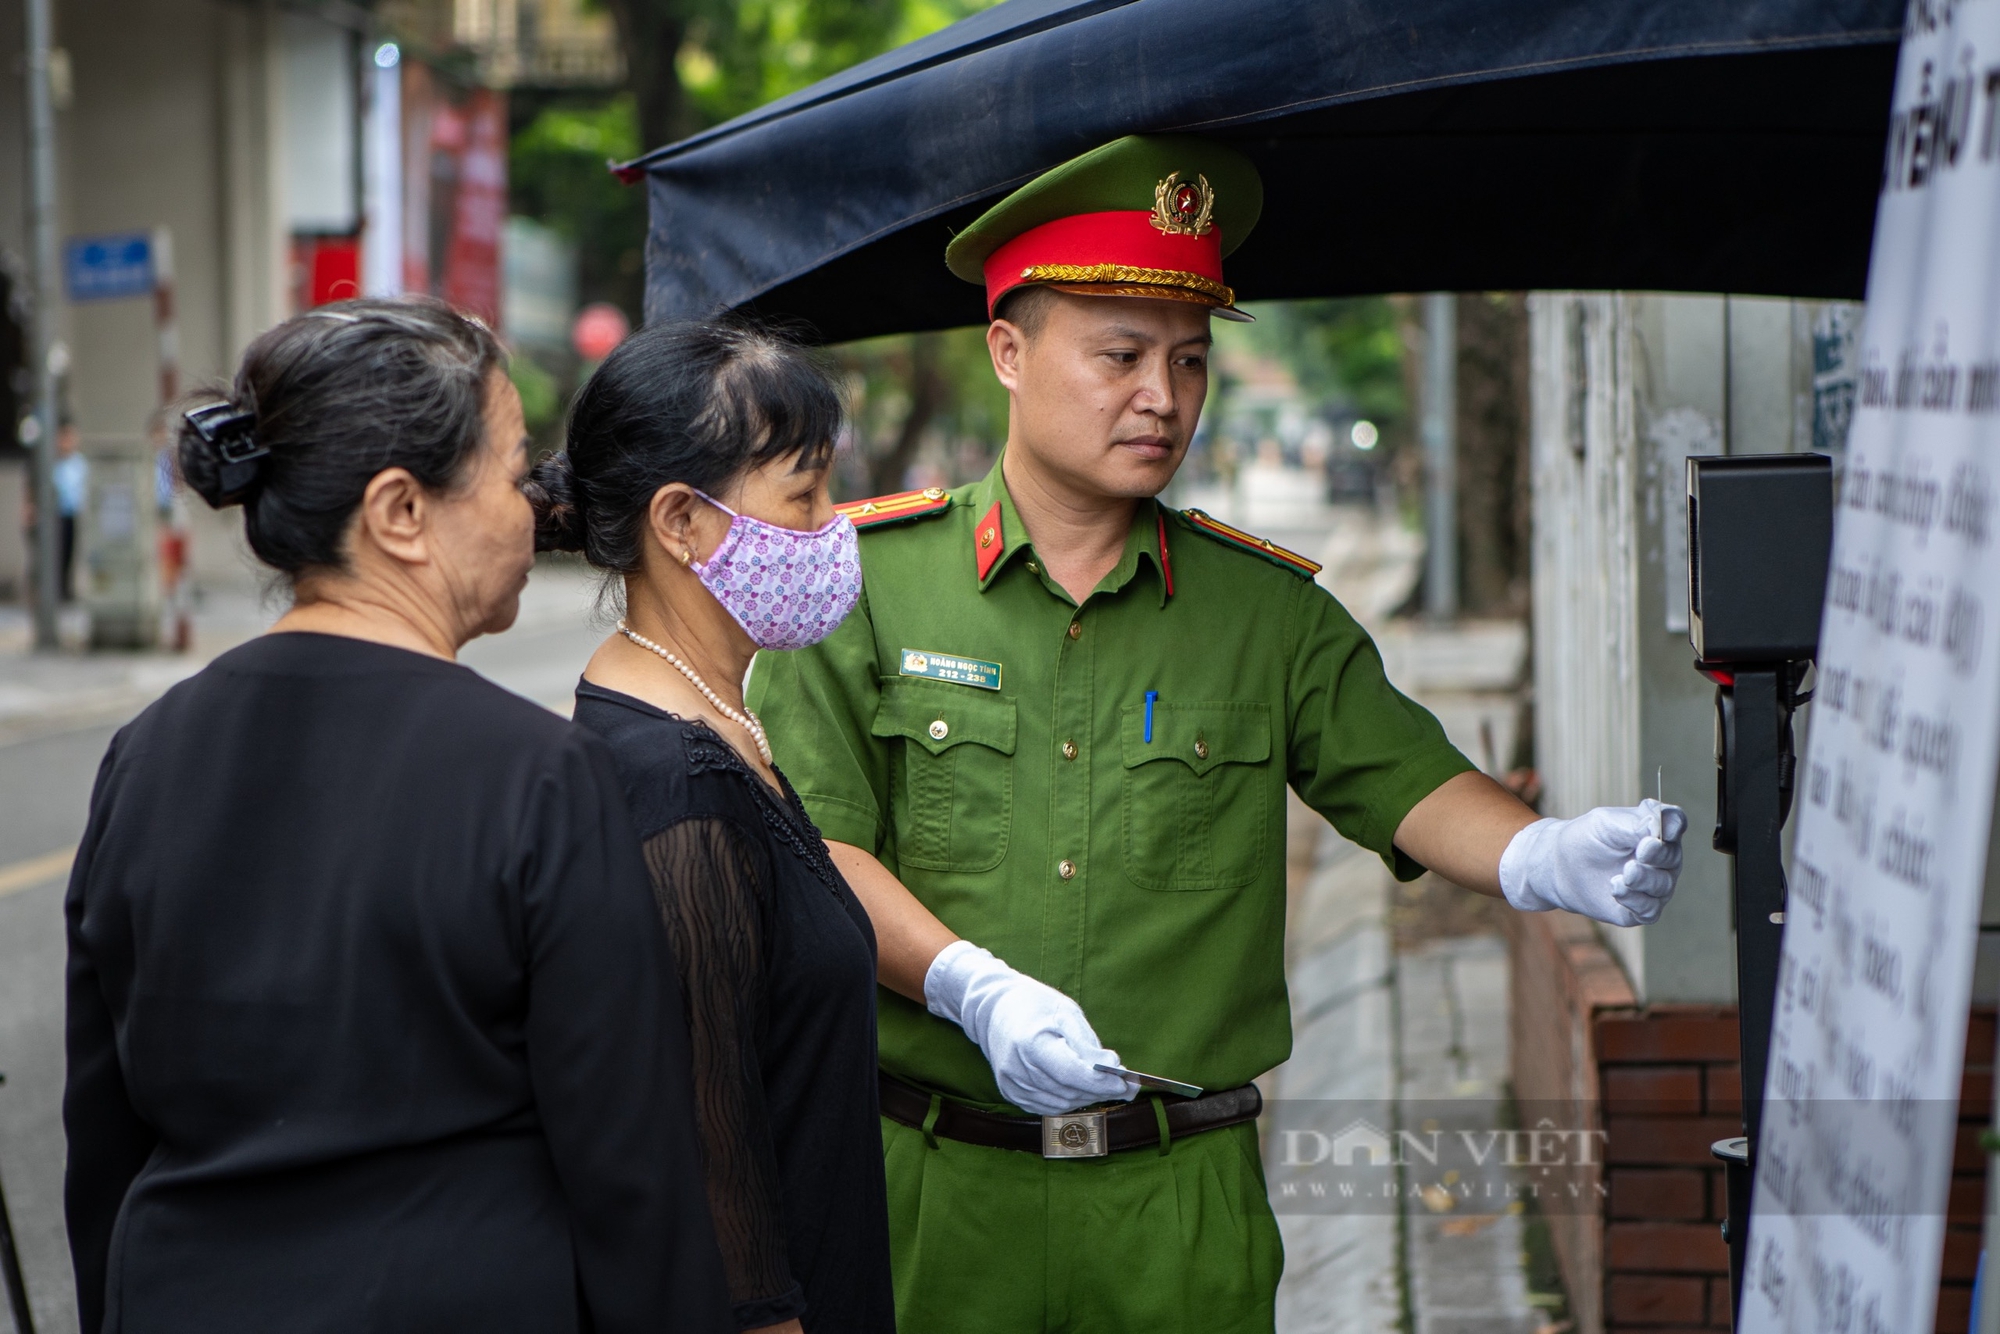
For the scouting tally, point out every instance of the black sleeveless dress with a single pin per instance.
(777, 962)
(371, 1022)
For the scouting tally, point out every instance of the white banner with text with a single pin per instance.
(1897, 784)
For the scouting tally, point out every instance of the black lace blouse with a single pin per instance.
(778, 970)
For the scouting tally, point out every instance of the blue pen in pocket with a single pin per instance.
(1151, 696)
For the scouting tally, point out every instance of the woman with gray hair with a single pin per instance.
(373, 1024)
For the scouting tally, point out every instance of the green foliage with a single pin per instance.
(940, 387)
(740, 54)
(556, 175)
(1345, 352)
(928, 400)
(541, 397)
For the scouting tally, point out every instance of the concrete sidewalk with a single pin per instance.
(1423, 1038)
(1343, 1271)
(541, 657)
(1464, 1237)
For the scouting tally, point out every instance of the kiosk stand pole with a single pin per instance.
(1754, 788)
(1760, 531)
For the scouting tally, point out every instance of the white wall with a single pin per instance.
(221, 120)
(321, 124)
(1624, 387)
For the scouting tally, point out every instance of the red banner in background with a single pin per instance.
(454, 190)
(472, 257)
(324, 268)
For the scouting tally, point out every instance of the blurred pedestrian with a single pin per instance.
(71, 476)
(696, 475)
(372, 1023)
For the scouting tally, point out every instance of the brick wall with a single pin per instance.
(1666, 1086)
(1668, 1078)
(1562, 976)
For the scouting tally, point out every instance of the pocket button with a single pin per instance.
(1201, 748)
(940, 730)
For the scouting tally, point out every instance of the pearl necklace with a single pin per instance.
(746, 719)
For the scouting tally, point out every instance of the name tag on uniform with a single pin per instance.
(945, 667)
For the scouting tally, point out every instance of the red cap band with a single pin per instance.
(1126, 239)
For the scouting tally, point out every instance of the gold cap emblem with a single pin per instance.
(1181, 209)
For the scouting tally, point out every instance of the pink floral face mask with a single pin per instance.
(786, 588)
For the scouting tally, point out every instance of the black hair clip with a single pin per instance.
(232, 433)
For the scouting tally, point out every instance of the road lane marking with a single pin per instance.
(35, 871)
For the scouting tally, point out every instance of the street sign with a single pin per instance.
(104, 268)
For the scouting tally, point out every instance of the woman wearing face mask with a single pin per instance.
(372, 1025)
(696, 473)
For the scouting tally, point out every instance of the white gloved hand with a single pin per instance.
(1617, 864)
(1036, 1039)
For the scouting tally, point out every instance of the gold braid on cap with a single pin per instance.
(1127, 274)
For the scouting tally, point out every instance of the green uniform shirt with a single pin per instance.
(1146, 879)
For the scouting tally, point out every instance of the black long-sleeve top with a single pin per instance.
(372, 1024)
(778, 961)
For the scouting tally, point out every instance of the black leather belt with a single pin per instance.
(1132, 1125)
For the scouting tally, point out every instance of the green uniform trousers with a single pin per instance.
(996, 1241)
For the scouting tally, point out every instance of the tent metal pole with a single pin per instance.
(42, 333)
(1440, 436)
(10, 1269)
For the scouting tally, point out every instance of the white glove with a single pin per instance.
(1617, 864)
(1039, 1044)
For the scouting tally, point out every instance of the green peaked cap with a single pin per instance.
(1120, 175)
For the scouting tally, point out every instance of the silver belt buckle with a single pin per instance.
(1074, 1135)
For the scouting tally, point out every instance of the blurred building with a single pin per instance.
(223, 164)
(536, 43)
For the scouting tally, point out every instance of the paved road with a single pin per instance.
(44, 789)
(45, 785)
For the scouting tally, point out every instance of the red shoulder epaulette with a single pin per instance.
(894, 509)
(1256, 546)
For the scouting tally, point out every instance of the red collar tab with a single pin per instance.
(1123, 248)
(889, 509)
(1166, 561)
(989, 540)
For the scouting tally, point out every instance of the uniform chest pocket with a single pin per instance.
(1198, 797)
(952, 777)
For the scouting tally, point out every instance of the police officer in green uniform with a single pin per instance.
(1050, 749)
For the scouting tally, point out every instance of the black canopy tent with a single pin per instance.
(1406, 145)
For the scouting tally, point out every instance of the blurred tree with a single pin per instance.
(651, 33)
(1343, 350)
(695, 63)
(1493, 507)
(721, 58)
(541, 396)
(908, 388)
(556, 175)
(740, 55)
